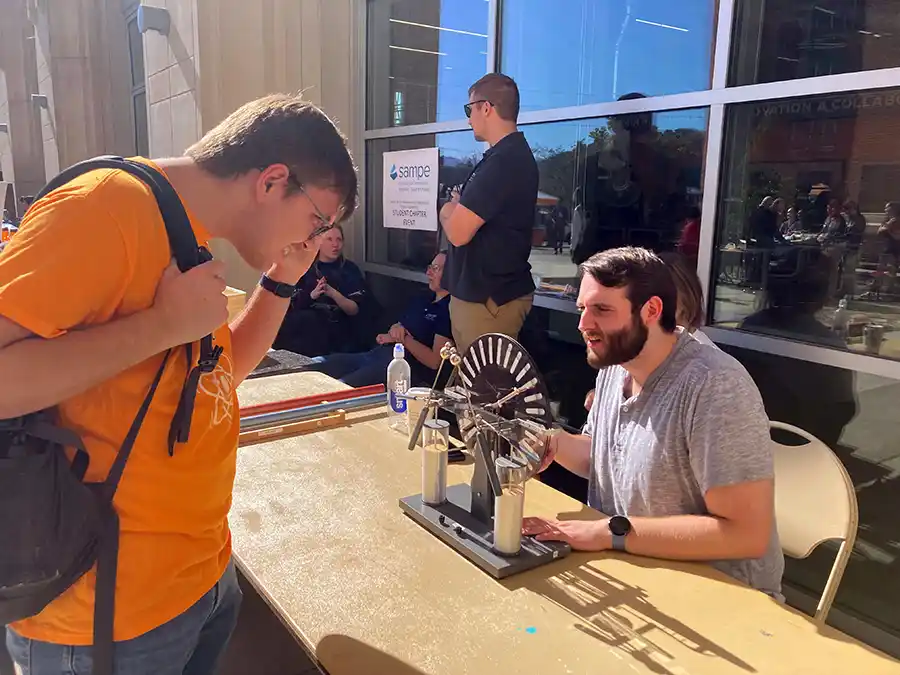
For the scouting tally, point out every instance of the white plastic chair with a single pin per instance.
(815, 502)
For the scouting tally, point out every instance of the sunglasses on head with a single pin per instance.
(468, 106)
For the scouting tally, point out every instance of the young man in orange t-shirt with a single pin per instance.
(90, 301)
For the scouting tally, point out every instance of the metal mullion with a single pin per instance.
(493, 45)
(359, 126)
(754, 93)
(721, 56)
(715, 134)
(803, 351)
(418, 129)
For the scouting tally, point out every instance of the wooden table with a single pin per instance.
(319, 533)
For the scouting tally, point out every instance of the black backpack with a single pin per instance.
(53, 526)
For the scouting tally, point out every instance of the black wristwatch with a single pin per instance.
(277, 288)
(620, 526)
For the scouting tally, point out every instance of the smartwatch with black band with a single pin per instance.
(619, 526)
(277, 288)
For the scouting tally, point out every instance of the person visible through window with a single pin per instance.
(423, 330)
(326, 301)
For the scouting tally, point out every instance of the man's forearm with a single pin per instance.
(701, 538)
(254, 331)
(348, 306)
(574, 453)
(36, 373)
(422, 353)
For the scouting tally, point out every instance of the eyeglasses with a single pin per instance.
(325, 223)
(468, 106)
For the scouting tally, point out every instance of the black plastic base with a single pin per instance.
(454, 524)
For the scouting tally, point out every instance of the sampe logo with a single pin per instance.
(412, 171)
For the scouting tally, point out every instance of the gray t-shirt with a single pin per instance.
(698, 423)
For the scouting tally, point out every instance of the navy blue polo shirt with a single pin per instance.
(424, 319)
(502, 191)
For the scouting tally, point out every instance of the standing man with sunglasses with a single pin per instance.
(269, 179)
(489, 223)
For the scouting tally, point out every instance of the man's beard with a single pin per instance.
(620, 347)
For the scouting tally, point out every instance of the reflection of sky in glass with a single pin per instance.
(561, 52)
(574, 52)
(466, 55)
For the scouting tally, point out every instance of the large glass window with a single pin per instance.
(604, 182)
(423, 57)
(855, 414)
(414, 249)
(575, 52)
(808, 242)
(790, 39)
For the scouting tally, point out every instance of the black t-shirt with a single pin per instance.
(342, 275)
(502, 191)
(424, 319)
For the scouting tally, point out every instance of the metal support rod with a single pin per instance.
(299, 414)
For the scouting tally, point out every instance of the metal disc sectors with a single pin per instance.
(503, 381)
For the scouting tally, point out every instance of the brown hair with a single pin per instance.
(502, 93)
(280, 129)
(642, 273)
(690, 293)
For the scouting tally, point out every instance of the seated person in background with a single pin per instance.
(327, 299)
(677, 449)
(689, 314)
(423, 330)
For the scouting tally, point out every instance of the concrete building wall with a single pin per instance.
(172, 80)
(74, 53)
(249, 49)
(17, 61)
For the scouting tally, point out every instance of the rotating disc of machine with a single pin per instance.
(504, 384)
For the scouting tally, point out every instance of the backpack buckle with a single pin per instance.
(12, 425)
(209, 363)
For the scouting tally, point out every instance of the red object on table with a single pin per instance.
(330, 397)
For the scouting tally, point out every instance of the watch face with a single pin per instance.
(619, 525)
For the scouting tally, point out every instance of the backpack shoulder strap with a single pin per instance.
(178, 226)
(187, 254)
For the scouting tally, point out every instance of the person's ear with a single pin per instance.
(652, 310)
(271, 179)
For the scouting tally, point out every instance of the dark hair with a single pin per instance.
(280, 129)
(693, 213)
(687, 283)
(501, 91)
(642, 273)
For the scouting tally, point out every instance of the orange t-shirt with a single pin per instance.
(89, 253)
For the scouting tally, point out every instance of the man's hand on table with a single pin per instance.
(581, 535)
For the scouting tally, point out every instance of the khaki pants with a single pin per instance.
(471, 320)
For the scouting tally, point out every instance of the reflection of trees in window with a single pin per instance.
(636, 181)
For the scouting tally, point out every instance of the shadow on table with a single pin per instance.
(615, 612)
(358, 657)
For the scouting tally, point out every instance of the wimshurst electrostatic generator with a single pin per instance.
(503, 410)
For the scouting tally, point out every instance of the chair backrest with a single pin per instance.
(815, 501)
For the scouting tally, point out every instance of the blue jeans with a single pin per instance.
(356, 370)
(190, 644)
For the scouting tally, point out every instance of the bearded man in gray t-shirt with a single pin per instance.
(676, 449)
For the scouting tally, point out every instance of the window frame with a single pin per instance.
(129, 10)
